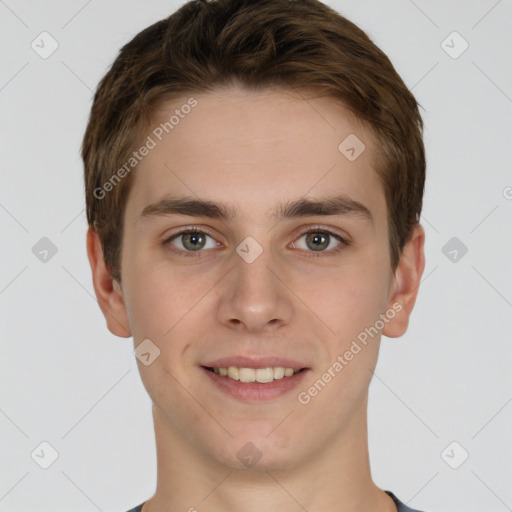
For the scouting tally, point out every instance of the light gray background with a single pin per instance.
(67, 381)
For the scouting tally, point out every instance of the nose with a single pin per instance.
(254, 296)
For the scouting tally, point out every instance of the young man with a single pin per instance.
(254, 176)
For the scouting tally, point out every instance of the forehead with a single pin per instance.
(254, 149)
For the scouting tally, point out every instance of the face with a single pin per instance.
(252, 241)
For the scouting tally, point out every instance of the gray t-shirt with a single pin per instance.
(400, 507)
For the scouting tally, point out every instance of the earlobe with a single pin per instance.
(406, 283)
(108, 292)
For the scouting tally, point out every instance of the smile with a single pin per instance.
(261, 375)
(255, 384)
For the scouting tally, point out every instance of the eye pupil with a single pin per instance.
(316, 238)
(193, 238)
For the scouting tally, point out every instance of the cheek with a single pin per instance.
(161, 303)
(150, 299)
(350, 305)
(348, 299)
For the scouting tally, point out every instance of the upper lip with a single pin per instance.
(254, 362)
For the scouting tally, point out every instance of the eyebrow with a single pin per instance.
(336, 205)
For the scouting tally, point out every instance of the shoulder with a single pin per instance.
(401, 507)
(138, 508)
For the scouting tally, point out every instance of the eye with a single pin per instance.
(321, 241)
(317, 242)
(190, 240)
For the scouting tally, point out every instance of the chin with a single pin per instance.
(257, 453)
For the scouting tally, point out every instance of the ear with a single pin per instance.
(406, 284)
(108, 291)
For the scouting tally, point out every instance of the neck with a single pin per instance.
(337, 479)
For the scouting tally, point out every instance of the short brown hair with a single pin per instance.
(209, 44)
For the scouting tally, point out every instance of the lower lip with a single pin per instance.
(256, 391)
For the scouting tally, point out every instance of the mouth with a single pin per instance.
(255, 384)
(261, 375)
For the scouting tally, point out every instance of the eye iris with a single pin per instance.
(317, 241)
(193, 238)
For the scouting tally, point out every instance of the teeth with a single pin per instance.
(278, 372)
(233, 373)
(262, 375)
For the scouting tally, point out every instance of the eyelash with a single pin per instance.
(314, 254)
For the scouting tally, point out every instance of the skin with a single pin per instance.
(253, 151)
